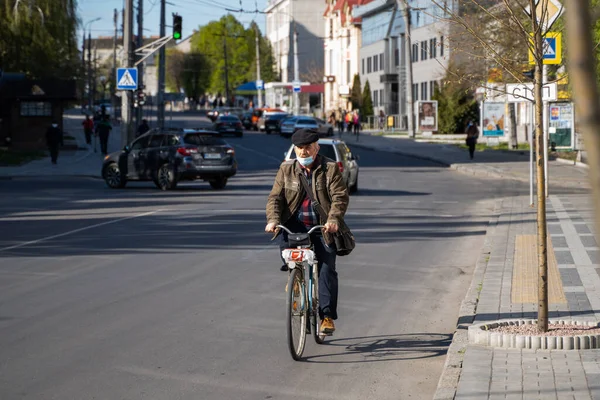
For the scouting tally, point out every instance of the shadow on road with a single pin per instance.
(402, 347)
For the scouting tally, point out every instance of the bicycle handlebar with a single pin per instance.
(314, 228)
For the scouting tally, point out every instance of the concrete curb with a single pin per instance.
(448, 383)
(480, 334)
(569, 162)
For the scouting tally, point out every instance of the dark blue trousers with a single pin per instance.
(328, 278)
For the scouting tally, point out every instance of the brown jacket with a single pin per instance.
(327, 185)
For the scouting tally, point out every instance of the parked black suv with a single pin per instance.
(172, 155)
(273, 122)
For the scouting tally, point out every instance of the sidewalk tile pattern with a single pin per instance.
(495, 373)
(525, 273)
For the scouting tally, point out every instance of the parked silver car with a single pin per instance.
(291, 125)
(338, 151)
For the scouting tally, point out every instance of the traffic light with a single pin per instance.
(177, 26)
(139, 98)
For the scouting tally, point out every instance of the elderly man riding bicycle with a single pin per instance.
(290, 205)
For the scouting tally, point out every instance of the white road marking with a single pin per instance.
(277, 160)
(446, 202)
(85, 228)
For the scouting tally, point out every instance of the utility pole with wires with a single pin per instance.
(160, 102)
(89, 68)
(126, 95)
(408, 70)
(113, 87)
(296, 78)
(226, 70)
(259, 92)
(140, 42)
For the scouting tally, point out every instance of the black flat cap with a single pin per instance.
(303, 137)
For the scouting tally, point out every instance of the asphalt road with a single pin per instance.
(137, 293)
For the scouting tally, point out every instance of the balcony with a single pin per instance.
(388, 78)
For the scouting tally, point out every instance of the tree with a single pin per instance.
(38, 38)
(174, 66)
(481, 23)
(193, 81)
(456, 106)
(356, 96)
(367, 106)
(228, 36)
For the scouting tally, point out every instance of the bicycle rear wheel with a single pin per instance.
(297, 309)
(315, 321)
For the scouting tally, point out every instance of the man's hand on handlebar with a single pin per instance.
(331, 227)
(271, 227)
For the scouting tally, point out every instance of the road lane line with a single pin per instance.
(278, 160)
(85, 228)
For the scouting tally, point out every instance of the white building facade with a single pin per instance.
(306, 18)
(383, 56)
(342, 46)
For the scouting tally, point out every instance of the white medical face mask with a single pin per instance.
(306, 161)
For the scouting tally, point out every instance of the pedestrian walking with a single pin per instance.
(88, 129)
(54, 139)
(472, 135)
(356, 123)
(349, 122)
(103, 131)
(143, 128)
(341, 118)
(381, 120)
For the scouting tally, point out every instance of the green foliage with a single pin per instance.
(456, 105)
(356, 96)
(367, 105)
(193, 80)
(40, 38)
(174, 69)
(228, 36)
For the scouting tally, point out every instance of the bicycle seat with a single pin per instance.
(299, 240)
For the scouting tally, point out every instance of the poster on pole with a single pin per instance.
(427, 115)
(492, 119)
(561, 124)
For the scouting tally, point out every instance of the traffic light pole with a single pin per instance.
(160, 106)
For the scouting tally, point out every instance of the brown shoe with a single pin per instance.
(327, 326)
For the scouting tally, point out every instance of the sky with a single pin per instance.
(195, 13)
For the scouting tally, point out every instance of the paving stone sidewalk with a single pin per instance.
(492, 373)
(82, 162)
(495, 164)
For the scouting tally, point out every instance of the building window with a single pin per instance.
(369, 65)
(375, 98)
(36, 109)
(349, 39)
(330, 28)
(433, 47)
(363, 66)
(415, 91)
(396, 57)
(433, 85)
(424, 50)
(348, 73)
(381, 102)
(415, 53)
(381, 64)
(441, 46)
(375, 64)
(424, 91)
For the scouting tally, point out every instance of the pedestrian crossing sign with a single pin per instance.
(127, 78)
(552, 49)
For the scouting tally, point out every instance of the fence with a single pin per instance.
(390, 123)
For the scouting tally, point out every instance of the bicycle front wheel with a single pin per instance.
(297, 309)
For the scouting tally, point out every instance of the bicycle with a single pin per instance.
(303, 279)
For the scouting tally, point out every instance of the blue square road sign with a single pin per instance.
(127, 78)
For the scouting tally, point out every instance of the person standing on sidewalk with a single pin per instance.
(103, 129)
(88, 129)
(143, 128)
(54, 139)
(472, 135)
